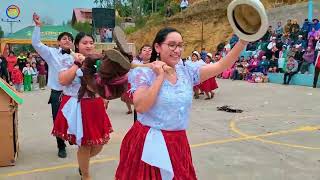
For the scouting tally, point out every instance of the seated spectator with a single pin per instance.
(264, 64)
(306, 27)
(279, 30)
(238, 72)
(184, 4)
(308, 58)
(291, 69)
(313, 33)
(287, 28)
(301, 42)
(273, 64)
(316, 24)
(254, 63)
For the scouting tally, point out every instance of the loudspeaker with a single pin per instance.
(103, 17)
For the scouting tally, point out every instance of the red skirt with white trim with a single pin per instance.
(209, 85)
(127, 96)
(95, 122)
(132, 167)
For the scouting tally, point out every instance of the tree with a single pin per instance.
(83, 27)
(106, 3)
(1, 32)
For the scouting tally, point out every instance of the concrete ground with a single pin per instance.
(276, 137)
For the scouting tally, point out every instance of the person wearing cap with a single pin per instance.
(316, 24)
(209, 85)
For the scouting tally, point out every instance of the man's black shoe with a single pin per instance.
(62, 153)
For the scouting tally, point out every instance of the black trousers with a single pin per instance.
(290, 74)
(135, 116)
(54, 100)
(4, 75)
(316, 75)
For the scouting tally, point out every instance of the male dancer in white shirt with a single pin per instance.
(53, 57)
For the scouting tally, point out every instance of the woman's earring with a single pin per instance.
(158, 57)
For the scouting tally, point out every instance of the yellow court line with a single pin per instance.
(63, 166)
(232, 126)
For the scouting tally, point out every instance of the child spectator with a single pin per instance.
(16, 78)
(35, 76)
(27, 72)
(42, 75)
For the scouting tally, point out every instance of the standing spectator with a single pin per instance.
(30, 58)
(17, 77)
(308, 58)
(27, 78)
(184, 4)
(109, 35)
(35, 74)
(169, 12)
(42, 75)
(4, 69)
(12, 61)
(22, 59)
(102, 35)
(291, 69)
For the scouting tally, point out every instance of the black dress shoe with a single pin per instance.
(62, 153)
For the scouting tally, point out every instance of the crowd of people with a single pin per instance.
(25, 72)
(288, 49)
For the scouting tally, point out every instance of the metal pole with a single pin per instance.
(11, 23)
(310, 10)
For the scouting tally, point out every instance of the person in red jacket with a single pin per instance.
(16, 77)
(12, 60)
